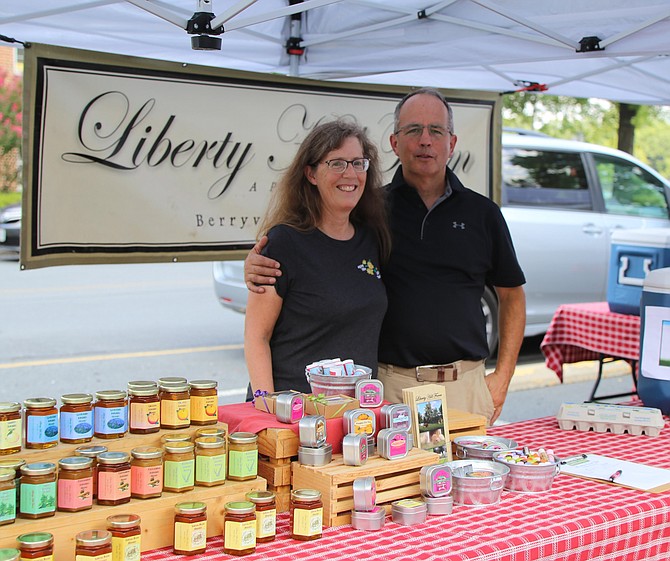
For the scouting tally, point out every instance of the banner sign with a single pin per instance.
(136, 160)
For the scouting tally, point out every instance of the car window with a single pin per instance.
(544, 178)
(628, 189)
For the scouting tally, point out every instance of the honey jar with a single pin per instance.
(210, 461)
(113, 478)
(96, 544)
(75, 484)
(175, 406)
(76, 418)
(38, 490)
(41, 423)
(146, 472)
(92, 452)
(10, 554)
(306, 510)
(242, 456)
(7, 496)
(190, 528)
(110, 414)
(10, 427)
(141, 384)
(15, 465)
(204, 402)
(144, 410)
(210, 431)
(266, 514)
(179, 467)
(126, 537)
(36, 545)
(171, 381)
(239, 528)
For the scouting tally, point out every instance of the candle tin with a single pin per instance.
(438, 506)
(369, 393)
(312, 431)
(409, 512)
(355, 449)
(319, 456)
(289, 407)
(393, 444)
(365, 494)
(368, 520)
(396, 416)
(359, 421)
(435, 480)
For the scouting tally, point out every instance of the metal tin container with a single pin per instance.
(477, 482)
(319, 456)
(312, 431)
(371, 446)
(481, 447)
(359, 421)
(435, 480)
(393, 444)
(396, 416)
(289, 407)
(365, 494)
(370, 393)
(439, 506)
(355, 449)
(528, 477)
(409, 512)
(368, 520)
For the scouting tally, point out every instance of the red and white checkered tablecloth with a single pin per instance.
(585, 332)
(577, 520)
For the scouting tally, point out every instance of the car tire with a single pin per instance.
(490, 310)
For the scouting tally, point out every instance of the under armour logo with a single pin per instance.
(460, 225)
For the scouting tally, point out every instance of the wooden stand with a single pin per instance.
(277, 448)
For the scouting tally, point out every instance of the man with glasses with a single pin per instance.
(448, 243)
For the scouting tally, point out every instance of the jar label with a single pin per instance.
(101, 557)
(75, 426)
(204, 408)
(307, 522)
(239, 535)
(38, 499)
(146, 480)
(10, 434)
(266, 523)
(145, 415)
(43, 558)
(210, 469)
(190, 537)
(7, 505)
(75, 493)
(179, 474)
(126, 549)
(41, 429)
(113, 486)
(176, 413)
(111, 420)
(242, 464)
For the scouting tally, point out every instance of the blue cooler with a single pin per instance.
(633, 254)
(653, 382)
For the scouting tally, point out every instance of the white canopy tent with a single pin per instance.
(613, 49)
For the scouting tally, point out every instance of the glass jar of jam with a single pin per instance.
(144, 410)
(242, 456)
(113, 478)
(92, 452)
(76, 418)
(7, 496)
(179, 467)
(10, 554)
(146, 472)
(15, 465)
(126, 537)
(111, 414)
(175, 406)
(204, 402)
(210, 461)
(38, 490)
(239, 528)
(36, 545)
(41, 423)
(190, 528)
(171, 381)
(175, 437)
(141, 384)
(266, 514)
(93, 543)
(306, 510)
(75, 484)
(10, 427)
(210, 431)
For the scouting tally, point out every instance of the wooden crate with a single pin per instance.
(395, 479)
(462, 423)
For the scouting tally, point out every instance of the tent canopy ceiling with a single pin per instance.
(494, 45)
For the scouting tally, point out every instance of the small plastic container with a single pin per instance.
(409, 512)
(368, 520)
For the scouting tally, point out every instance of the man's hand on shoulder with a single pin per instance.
(258, 269)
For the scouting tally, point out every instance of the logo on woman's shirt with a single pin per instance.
(368, 267)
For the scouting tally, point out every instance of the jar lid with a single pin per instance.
(39, 402)
(112, 458)
(123, 521)
(38, 468)
(75, 462)
(261, 497)
(7, 474)
(176, 437)
(174, 388)
(190, 507)
(13, 463)
(76, 398)
(178, 447)
(35, 540)
(203, 384)
(90, 451)
(110, 395)
(143, 390)
(240, 507)
(210, 442)
(10, 554)
(146, 452)
(306, 495)
(93, 538)
(137, 384)
(171, 380)
(243, 438)
(210, 432)
(9, 406)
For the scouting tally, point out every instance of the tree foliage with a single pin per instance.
(10, 130)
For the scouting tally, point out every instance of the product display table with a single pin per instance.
(590, 331)
(577, 520)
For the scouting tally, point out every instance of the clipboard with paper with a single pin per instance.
(617, 472)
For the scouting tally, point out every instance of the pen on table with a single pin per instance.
(615, 475)
(581, 457)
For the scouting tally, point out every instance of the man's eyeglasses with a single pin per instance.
(415, 131)
(359, 164)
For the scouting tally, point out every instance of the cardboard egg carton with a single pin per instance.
(605, 417)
